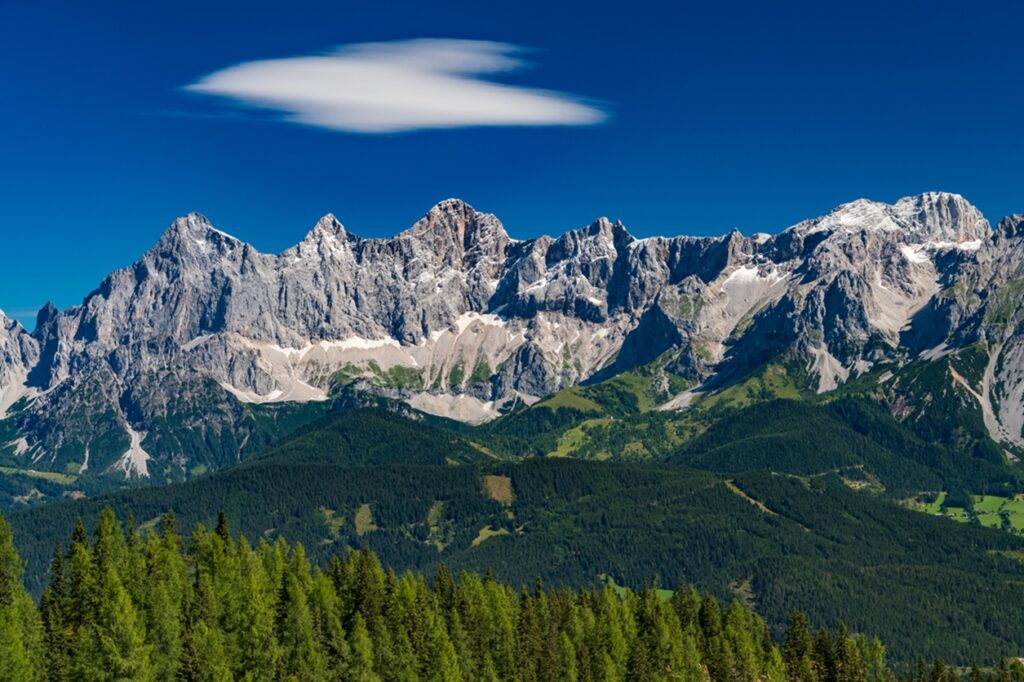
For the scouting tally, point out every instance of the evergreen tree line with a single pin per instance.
(120, 606)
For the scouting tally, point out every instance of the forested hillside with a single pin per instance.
(119, 606)
(779, 542)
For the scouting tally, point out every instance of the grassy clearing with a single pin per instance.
(757, 503)
(988, 504)
(334, 523)
(771, 383)
(148, 527)
(486, 533)
(52, 476)
(364, 520)
(935, 507)
(1014, 554)
(570, 398)
(638, 386)
(663, 595)
(439, 532)
(499, 488)
(991, 511)
(573, 438)
(994, 509)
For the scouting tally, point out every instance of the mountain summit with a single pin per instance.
(459, 320)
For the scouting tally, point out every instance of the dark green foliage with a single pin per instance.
(846, 435)
(216, 609)
(367, 436)
(781, 542)
(220, 609)
(924, 584)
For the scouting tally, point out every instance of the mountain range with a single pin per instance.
(197, 354)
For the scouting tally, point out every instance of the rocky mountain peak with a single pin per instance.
(1011, 227)
(943, 217)
(929, 218)
(194, 233)
(18, 352)
(328, 228)
(6, 322)
(458, 319)
(46, 314)
(328, 225)
(452, 229)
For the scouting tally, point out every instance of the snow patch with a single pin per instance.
(915, 253)
(743, 274)
(467, 319)
(360, 343)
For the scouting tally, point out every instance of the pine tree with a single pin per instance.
(113, 647)
(301, 655)
(798, 649)
(109, 548)
(360, 666)
(715, 647)
(442, 664)
(164, 594)
(222, 527)
(825, 657)
(872, 656)
(444, 587)
(20, 629)
(208, 660)
(56, 635)
(568, 663)
(249, 619)
(330, 633)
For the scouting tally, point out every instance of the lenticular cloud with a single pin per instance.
(398, 86)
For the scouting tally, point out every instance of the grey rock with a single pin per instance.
(459, 319)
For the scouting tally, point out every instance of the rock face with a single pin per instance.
(458, 319)
(18, 353)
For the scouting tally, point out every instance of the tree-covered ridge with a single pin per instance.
(122, 607)
(926, 586)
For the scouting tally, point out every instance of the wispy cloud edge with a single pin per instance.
(399, 86)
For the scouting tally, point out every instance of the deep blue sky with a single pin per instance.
(721, 115)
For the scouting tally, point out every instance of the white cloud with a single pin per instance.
(398, 86)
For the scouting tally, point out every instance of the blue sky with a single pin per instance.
(676, 118)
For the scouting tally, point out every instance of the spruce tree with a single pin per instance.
(113, 646)
(302, 658)
(360, 665)
(21, 637)
(798, 649)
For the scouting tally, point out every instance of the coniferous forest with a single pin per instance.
(125, 606)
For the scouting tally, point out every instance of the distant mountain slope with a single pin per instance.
(927, 585)
(154, 374)
(370, 437)
(853, 438)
